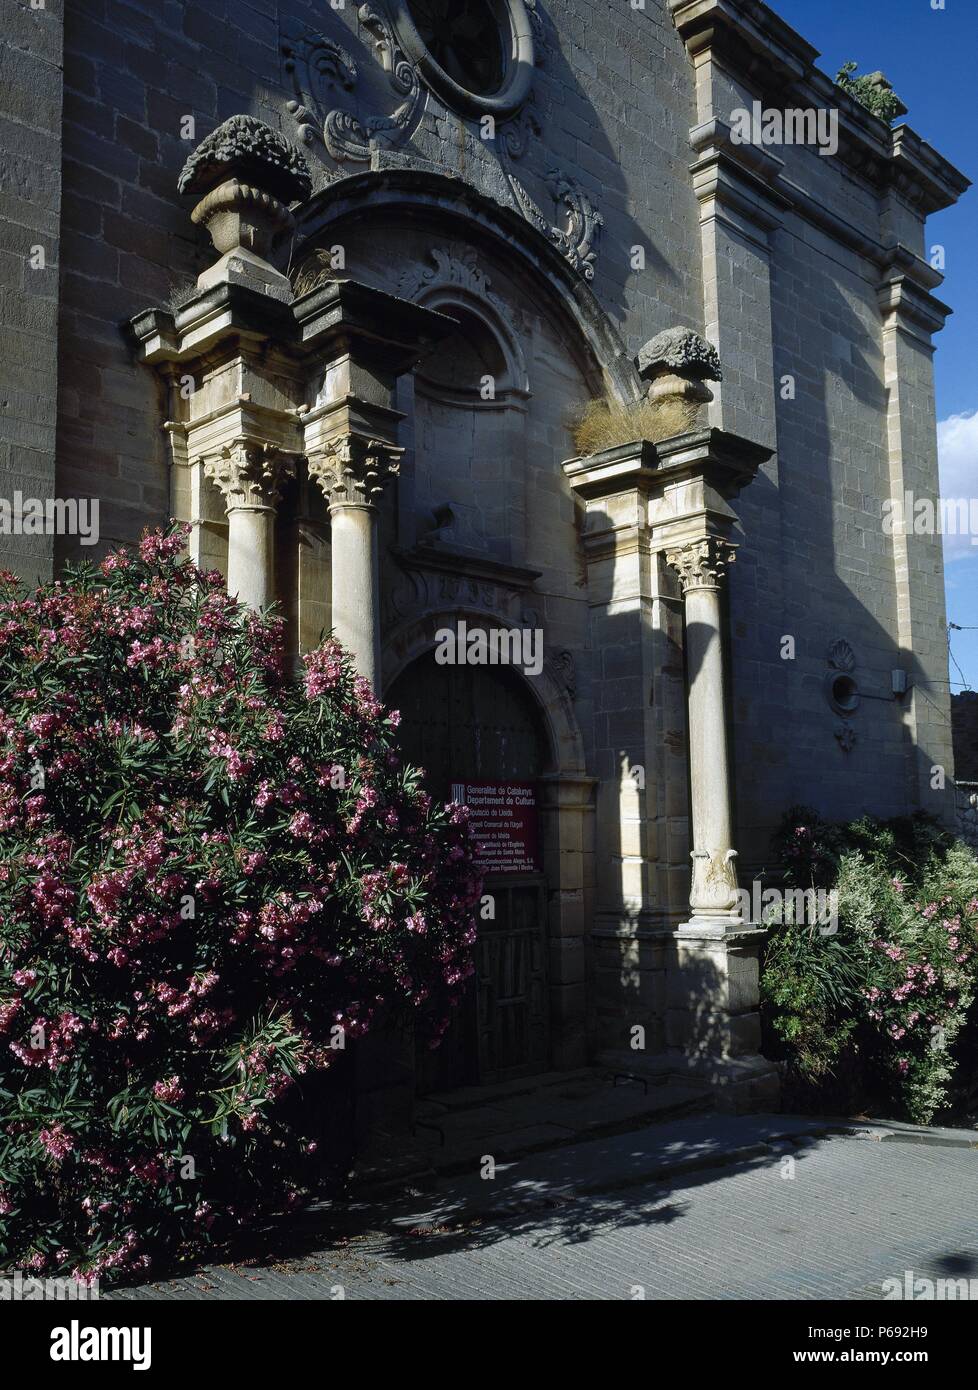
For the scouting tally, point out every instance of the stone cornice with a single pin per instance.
(344, 316)
(226, 311)
(428, 557)
(767, 55)
(750, 182)
(915, 311)
(347, 316)
(729, 461)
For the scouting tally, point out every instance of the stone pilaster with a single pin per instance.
(911, 314)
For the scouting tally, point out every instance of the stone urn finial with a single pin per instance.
(677, 365)
(245, 176)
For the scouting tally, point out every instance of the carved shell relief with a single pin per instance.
(841, 656)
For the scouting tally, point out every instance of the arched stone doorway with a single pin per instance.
(478, 734)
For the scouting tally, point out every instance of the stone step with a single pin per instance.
(453, 1132)
(531, 1124)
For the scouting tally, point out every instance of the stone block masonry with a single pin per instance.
(30, 252)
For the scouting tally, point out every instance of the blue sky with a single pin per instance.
(929, 55)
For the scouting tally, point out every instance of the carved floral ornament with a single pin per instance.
(353, 471)
(250, 473)
(322, 70)
(702, 564)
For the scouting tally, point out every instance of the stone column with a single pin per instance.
(701, 566)
(250, 475)
(353, 473)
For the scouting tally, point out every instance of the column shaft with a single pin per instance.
(701, 564)
(251, 555)
(356, 587)
(709, 755)
(352, 471)
(250, 473)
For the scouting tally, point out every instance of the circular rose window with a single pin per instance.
(463, 38)
(477, 55)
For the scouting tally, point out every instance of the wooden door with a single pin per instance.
(478, 724)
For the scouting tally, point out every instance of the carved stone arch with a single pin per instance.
(418, 636)
(463, 293)
(457, 209)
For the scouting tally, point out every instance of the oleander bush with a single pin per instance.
(214, 877)
(876, 1015)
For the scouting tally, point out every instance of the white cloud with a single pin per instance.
(957, 451)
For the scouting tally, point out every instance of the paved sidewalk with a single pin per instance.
(707, 1207)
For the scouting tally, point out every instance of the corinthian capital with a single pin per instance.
(353, 470)
(250, 473)
(702, 564)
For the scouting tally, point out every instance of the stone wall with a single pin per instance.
(966, 805)
(30, 203)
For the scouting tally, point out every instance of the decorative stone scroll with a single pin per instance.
(577, 240)
(317, 66)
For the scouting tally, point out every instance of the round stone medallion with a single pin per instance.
(477, 55)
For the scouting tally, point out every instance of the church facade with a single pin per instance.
(561, 357)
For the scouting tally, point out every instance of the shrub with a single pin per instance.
(606, 423)
(212, 875)
(871, 90)
(869, 1016)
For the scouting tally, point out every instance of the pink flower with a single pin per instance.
(170, 1091)
(58, 1142)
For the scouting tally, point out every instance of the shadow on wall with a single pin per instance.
(812, 539)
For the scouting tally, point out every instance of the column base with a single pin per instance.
(714, 926)
(712, 990)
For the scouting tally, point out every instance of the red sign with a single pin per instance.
(503, 817)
